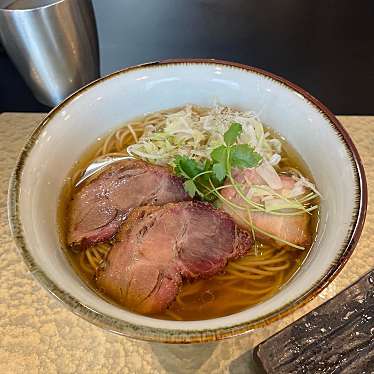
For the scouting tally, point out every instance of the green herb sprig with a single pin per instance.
(206, 180)
(199, 177)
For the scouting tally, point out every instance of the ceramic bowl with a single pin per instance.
(70, 128)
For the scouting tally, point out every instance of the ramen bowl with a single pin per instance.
(70, 128)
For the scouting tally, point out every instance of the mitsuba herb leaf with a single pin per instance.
(195, 184)
(244, 156)
(219, 171)
(201, 178)
(219, 154)
(232, 134)
(190, 187)
(187, 167)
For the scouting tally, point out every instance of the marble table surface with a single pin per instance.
(38, 335)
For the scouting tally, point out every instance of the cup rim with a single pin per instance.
(165, 335)
(32, 9)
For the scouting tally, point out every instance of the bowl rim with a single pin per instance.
(164, 335)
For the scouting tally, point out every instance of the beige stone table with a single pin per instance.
(37, 334)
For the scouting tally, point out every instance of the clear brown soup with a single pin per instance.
(247, 281)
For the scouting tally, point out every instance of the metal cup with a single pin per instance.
(52, 43)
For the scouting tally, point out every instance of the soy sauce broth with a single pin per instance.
(220, 295)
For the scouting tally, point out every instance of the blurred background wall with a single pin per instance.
(325, 46)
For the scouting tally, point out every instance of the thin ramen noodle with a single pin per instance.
(246, 281)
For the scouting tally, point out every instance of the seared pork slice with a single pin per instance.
(293, 228)
(100, 206)
(160, 247)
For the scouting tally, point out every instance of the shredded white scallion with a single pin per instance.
(194, 134)
(185, 132)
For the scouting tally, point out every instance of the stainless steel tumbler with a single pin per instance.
(52, 43)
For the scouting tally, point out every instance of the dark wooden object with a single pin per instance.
(337, 337)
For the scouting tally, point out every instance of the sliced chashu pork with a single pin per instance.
(160, 247)
(292, 228)
(98, 209)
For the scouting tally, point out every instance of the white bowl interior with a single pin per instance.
(111, 102)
